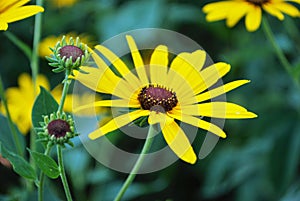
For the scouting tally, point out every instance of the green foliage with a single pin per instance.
(44, 104)
(20, 165)
(46, 164)
(6, 136)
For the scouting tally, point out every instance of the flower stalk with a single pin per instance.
(138, 163)
(42, 175)
(34, 63)
(282, 58)
(62, 173)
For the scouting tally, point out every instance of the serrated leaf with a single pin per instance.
(44, 104)
(20, 165)
(46, 164)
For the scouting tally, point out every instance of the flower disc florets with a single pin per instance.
(58, 128)
(157, 98)
(68, 55)
(258, 2)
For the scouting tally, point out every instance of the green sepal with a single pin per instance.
(141, 122)
(47, 165)
(58, 70)
(20, 165)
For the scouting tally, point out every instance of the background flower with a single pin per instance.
(234, 10)
(14, 10)
(63, 3)
(21, 99)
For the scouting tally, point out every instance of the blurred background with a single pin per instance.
(259, 160)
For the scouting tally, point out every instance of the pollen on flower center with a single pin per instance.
(257, 2)
(71, 51)
(58, 128)
(157, 98)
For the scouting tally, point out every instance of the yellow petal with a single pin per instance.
(218, 110)
(156, 117)
(137, 60)
(109, 103)
(178, 142)
(253, 19)
(220, 90)
(183, 74)
(219, 10)
(287, 8)
(120, 66)
(14, 3)
(21, 13)
(236, 13)
(270, 8)
(104, 81)
(210, 76)
(3, 25)
(194, 121)
(219, 6)
(159, 65)
(118, 122)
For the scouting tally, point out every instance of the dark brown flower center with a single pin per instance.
(157, 98)
(71, 51)
(257, 2)
(58, 128)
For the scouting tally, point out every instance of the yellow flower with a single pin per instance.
(13, 10)
(50, 41)
(234, 10)
(20, 100)
(63, 3)
(163, 94)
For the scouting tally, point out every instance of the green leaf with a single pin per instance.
(6, 137)
(20, 166)
(46, 164)
(44, 104)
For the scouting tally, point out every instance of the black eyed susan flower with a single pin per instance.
(163, 93)
(14, 10)
(234, 10)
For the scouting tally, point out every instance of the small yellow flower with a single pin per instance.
(14, 10)
(234, 10)
(162, 92)
(20, 100)
(63, 3)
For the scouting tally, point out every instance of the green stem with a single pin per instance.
(36, 40)
(12, 127)
(138, 163)
(20, 44)
(34, 63)
(284, 61)
(63, 174)
(67, 83)
(42, 175)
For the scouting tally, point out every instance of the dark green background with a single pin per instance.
(259, 160)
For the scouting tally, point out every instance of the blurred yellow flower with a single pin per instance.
(14, 10)
(234, 10)
(20, 100)
(63, 3)
(50, 41)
